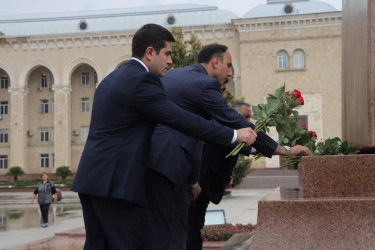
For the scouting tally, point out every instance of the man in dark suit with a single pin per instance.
(195, 88)
(127, 105)
(215, 176)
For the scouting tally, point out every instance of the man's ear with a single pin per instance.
(215, 62)
(149, 54)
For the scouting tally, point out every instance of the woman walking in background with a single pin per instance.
(46, 191)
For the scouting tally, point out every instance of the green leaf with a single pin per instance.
(280, 92)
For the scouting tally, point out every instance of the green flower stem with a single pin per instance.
(238, 148)
(289, 160)
(260, 127)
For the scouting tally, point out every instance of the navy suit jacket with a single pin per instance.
(127, 105)
(216, 170)
(194, 90)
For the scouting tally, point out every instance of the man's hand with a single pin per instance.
(246, 135)
(195, 191)
(298, 149)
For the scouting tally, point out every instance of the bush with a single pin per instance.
(240, 170)
(15, 171)
(224, 232)
(63, 172)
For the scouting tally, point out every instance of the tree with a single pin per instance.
(241, 169)
(63, 172)
(185, 52)
(15, 171)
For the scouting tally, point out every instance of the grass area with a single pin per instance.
(31, 183)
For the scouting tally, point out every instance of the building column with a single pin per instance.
(237, 88)
(18, 127)
(62, 125)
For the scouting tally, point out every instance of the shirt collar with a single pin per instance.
(144, 65)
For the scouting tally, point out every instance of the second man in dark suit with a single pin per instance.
(171, 169)
(215, 176)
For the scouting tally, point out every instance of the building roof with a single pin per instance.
(288, 7)
(112, 20)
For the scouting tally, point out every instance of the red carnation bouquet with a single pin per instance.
(275, 113)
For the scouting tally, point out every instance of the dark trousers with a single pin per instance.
(113, 223)
(44, 211)
(197, 213)
(167, 213)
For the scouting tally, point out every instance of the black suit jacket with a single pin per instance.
(127, 105)
(216, 170)
(193, 90)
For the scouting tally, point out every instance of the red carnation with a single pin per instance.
(287, 93)
(312, 133)
(296, 93)
(300, 99)
(321, 142)
(303, 126)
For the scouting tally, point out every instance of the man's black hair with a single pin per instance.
(210, 51)
(152, 35)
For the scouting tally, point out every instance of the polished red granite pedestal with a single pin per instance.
(334, 208)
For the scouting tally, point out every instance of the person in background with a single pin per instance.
(46, 192)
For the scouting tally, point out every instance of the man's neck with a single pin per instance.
(207, 68)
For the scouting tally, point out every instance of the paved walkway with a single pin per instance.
(240, 207)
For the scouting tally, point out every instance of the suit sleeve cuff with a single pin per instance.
(234, 137)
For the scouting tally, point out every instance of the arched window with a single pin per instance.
(282, 60)
(298, 59)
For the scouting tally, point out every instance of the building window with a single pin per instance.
(82, 25)
(4, 108)
(95, 77)
(44, 134)
(85, 78)
(44, 106)
(53, 160)
(44, 161)
(52, 134)
(171, 19)
(288, 8)
(84, 133)
(298, 59)
(4, 82)
(44, 81)
(3, 135)
(85, 104)
(3, 162)
(282, 60)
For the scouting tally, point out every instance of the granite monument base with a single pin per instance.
(333, 209)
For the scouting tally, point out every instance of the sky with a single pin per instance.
(239, 7)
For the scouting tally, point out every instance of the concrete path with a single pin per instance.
(239, 207)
